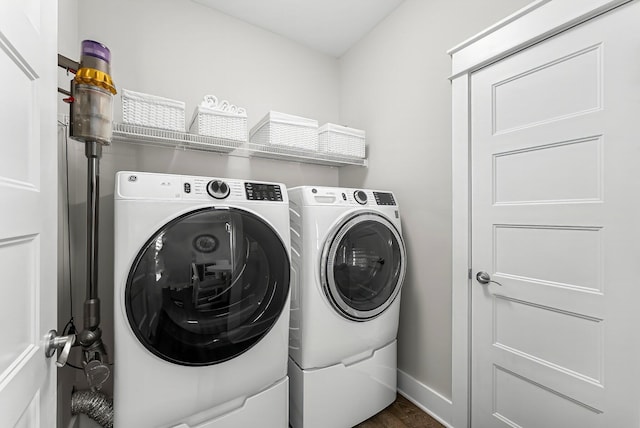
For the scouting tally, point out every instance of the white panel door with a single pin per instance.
(28, 177)
(555, 142)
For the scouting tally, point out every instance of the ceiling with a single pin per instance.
(328, 26)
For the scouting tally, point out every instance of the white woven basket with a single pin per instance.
(152, 111)
(281, 129)
(219, 124)
(341, 140)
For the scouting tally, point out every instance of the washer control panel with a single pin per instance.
(263, 192)
(344, 196)
(384, 198)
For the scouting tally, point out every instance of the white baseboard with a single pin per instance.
(430, 401)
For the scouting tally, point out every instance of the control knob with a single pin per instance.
(360, 197)
(218, 189)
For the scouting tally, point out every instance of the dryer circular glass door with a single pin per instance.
(207, 286)
(363, 266)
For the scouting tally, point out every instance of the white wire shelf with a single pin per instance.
(136, 134)
(127, 133)
(301, 155)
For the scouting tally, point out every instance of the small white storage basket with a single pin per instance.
(152, 111)
(281, 129)
(341, 140)
(219, 124)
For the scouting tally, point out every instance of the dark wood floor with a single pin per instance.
(402, 413)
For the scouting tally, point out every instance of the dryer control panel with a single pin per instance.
(152, 186)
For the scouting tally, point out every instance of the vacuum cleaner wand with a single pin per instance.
(92, 93)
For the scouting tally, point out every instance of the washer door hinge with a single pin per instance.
(469, 273)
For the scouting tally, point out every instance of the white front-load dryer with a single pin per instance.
(348, 263)
(202, 269)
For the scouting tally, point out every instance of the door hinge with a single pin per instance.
(469, 273)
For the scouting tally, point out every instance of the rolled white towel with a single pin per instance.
(223, 105)
(241, 111)
(233, 108)
(210, 101)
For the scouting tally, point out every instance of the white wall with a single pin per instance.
(394, 85)
(181, 50)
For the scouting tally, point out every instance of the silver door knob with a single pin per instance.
(54, 342)
(484, 278)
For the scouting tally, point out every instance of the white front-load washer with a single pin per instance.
(202, 269)
(348, 265)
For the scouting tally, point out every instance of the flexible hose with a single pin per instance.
(95, 405)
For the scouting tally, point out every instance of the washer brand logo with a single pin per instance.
(133, 178)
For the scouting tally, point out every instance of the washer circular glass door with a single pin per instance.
(363, 266)
(207, 286)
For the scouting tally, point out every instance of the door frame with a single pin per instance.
(536, 22)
